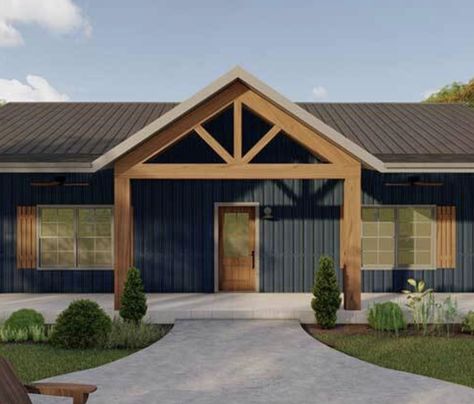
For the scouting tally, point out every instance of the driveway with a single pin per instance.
(254, 361)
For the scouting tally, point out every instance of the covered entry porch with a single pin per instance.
(166, 308)
(235, 147)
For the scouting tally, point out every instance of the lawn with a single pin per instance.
(38, 361)
(450, 359)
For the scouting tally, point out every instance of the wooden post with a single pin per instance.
(351, 242)
(238, 130)
(122, 235)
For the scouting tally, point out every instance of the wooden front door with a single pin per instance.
(237, 248)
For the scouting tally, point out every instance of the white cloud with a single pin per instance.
(59, 16)
(320, 93)
(36, 88)
(428, 93)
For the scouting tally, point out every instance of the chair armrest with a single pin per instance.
(79, 392)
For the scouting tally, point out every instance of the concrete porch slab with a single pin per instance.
(169, 307)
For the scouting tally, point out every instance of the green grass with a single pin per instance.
(449, 359)
(38, 361)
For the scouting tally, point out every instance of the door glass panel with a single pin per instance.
(236, 234)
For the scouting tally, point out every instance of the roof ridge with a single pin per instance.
(88, 102)
(380, 103)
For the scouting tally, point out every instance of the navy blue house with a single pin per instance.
(235, 189)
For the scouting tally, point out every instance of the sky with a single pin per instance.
(166, 50)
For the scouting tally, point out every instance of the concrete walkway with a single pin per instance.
(252, 361)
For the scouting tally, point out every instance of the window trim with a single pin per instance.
(397, 267)
(75, 267)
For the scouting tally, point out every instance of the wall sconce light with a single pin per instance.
(267, 213)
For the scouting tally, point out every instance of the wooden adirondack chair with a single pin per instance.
(13, 391)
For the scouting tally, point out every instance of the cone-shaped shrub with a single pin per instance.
(133, 305)
(326, 293)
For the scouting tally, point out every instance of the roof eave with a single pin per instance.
(401, 167)
(69, 167)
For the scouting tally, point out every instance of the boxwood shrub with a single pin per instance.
(24, 319)
(82, 325)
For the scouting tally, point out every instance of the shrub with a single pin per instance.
(468, 323)
(35, 333)
(421, 303)
(133, 304)
(326, 293)
(445, 314)
(131, 335)
(386, 316)
(82, 325)
(14, 334)
(24, 319)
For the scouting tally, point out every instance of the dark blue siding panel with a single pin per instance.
(175, 237)
(458, 191)
(174, 234)
(16, 190)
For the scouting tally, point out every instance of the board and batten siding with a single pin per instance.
(15, 190)
(458, 191)
(174, 230)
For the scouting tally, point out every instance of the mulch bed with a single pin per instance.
(364, 329)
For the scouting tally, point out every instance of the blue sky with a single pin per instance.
(160, 50)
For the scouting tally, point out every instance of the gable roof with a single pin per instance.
(89, 136)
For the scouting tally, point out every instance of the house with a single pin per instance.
(235, 189)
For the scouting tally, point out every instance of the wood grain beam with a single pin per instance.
(238, 171)
(237, 130)
(351, 242)
(267, 138)
(122, 235)
(180, 128)
(305, 136)
(213, 144)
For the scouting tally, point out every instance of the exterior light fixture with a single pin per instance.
(267, 213)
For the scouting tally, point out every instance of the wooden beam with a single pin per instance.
(180, 128)
(305, 136)
(214, 144)
(267, 138)
(238, 171)
(237, 130)
(122, 235)
(351, 241)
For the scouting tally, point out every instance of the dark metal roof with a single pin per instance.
(67, 132)
(81, 132)
(403, 132)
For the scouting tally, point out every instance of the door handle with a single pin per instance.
(253, 259)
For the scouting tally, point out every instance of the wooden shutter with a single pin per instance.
(26, 237)
(446, 236)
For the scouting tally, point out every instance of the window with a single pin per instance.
(398, 237)
(75, 237)
(378, 237)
